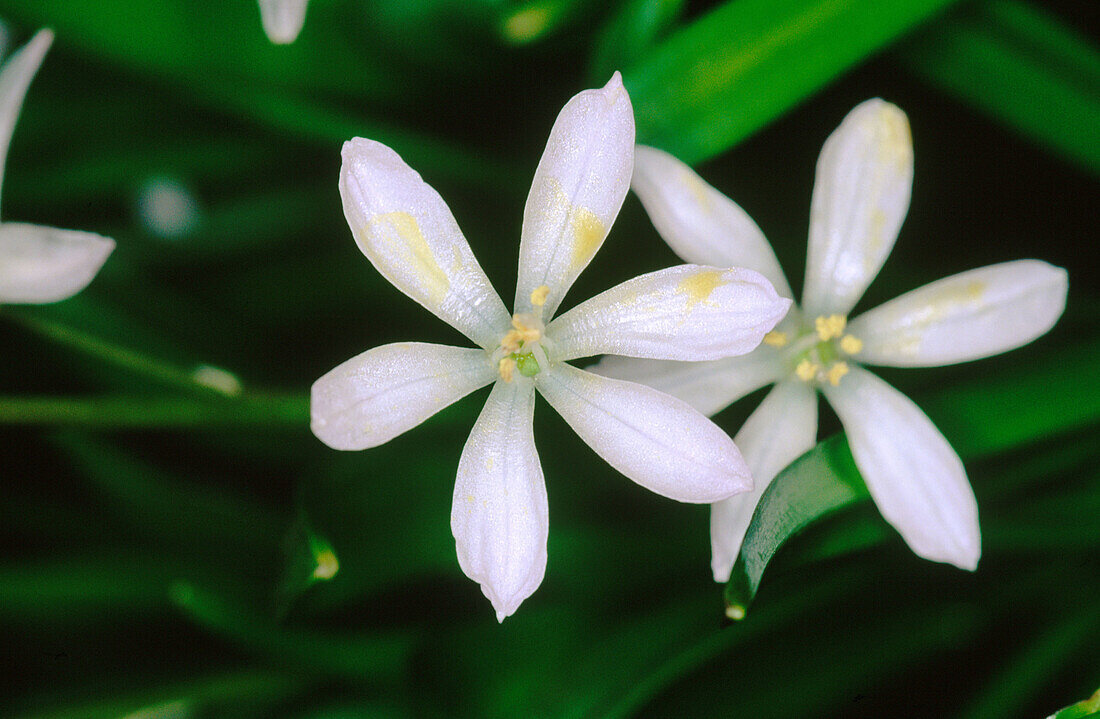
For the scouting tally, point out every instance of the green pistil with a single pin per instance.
(527, 365)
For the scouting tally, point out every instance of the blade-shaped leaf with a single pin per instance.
(740, 66)
(1020, 65)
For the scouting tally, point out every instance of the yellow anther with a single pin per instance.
(519, 334)
(838, 370)
(506, 367)
(806, 370)
(538, 295)
(775, 338)
(830, 327)
(851, 344)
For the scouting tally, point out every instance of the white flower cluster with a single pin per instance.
(688, 340)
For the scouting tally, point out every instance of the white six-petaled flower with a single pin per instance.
(860, 198)
(39, 264)
(499, 514)
(283, 19)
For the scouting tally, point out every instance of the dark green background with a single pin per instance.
(156, 534)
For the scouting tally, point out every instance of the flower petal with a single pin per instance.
(964, 317)
(499, 516)
(372, 398)
(408, 233)
(653, 438)
(782, 428)
(709, 387)
(282, 19)
(15, 78)
(687, 312)
(579, 186)
(698, 222)
(915, 478)
(861, 194)
(42, 264)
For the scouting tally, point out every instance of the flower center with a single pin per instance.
(521, 349)
(819, 356)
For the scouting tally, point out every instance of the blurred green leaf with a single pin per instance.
(742, 65)
(223, 692)
(1034, 667)
(1020, 65)
(630, 32)
(359, 656)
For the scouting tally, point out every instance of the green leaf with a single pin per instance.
(742, 65)
(1020, 65)
(1081, 710)
(820, 482)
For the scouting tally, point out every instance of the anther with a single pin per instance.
(538, 295)
(830, 327)
(806, 370)
(851, 344)
(506, 366)
(775, 338)
(838, 370)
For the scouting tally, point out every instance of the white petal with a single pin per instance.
(15, 78)
(861, 194)
(653, 438)
(283, 19)
(780, 430)
(698, 222)
(408, 233)
(687, 312)
(709, 387)
(372, 398)
(963, 317)
(499, 516)
(915, 478)
(579, 186)
(43, 264)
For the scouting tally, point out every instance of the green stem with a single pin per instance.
(272, 410)
(202, 378)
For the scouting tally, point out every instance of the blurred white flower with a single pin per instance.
(167, 208)
(499, 515)
(39, 264)
(282, 19)
(861, 196)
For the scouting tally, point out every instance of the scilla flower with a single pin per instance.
(39, 264)
(499, 515)
(860, 198)
(282, 19)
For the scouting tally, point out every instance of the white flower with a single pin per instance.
(860, 198)
(283, 19)
(39, 264)
(499, 514)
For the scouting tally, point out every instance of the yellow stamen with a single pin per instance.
(851, 344)
(518, 335)
(830, 327)
(838, 370)
(506, 367)
(775, 338)
(538, 295)
(806, 370)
